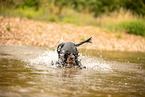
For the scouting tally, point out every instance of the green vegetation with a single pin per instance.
(8, 28)
(134, 27)
(111, 16)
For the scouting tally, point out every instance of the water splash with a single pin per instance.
(95, 63)
(43, 61)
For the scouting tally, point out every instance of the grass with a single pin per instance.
(8, 28)
(123, 21)
(136, 27)
(29, 13)
(118, 21)
(119, 36)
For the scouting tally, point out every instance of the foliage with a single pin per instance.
(95, 7)
(53, 18)
(82, 12)
(136, 6)
(8, 28)
(134, 27)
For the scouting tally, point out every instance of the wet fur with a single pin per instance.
(68, 54)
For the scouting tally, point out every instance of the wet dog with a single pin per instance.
(68, 54)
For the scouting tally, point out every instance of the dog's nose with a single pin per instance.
(71, 58)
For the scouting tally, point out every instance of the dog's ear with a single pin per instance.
(60, 46)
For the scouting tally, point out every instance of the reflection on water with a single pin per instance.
(26, 71)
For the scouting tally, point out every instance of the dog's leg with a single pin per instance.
(59, 63)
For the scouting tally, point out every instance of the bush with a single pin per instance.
(136, 27)
(53, 18)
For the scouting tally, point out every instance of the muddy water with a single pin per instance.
(26, 72)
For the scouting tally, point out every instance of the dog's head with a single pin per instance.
(70, 57)
(68, 53)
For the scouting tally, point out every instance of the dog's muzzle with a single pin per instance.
(70, 59)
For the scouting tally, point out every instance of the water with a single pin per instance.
(26, 72)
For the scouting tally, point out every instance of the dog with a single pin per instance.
(68, 54)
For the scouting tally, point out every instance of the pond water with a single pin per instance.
(27, 72)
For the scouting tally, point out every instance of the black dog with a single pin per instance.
(68, 54)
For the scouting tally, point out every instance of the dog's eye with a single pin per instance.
(68, 53)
